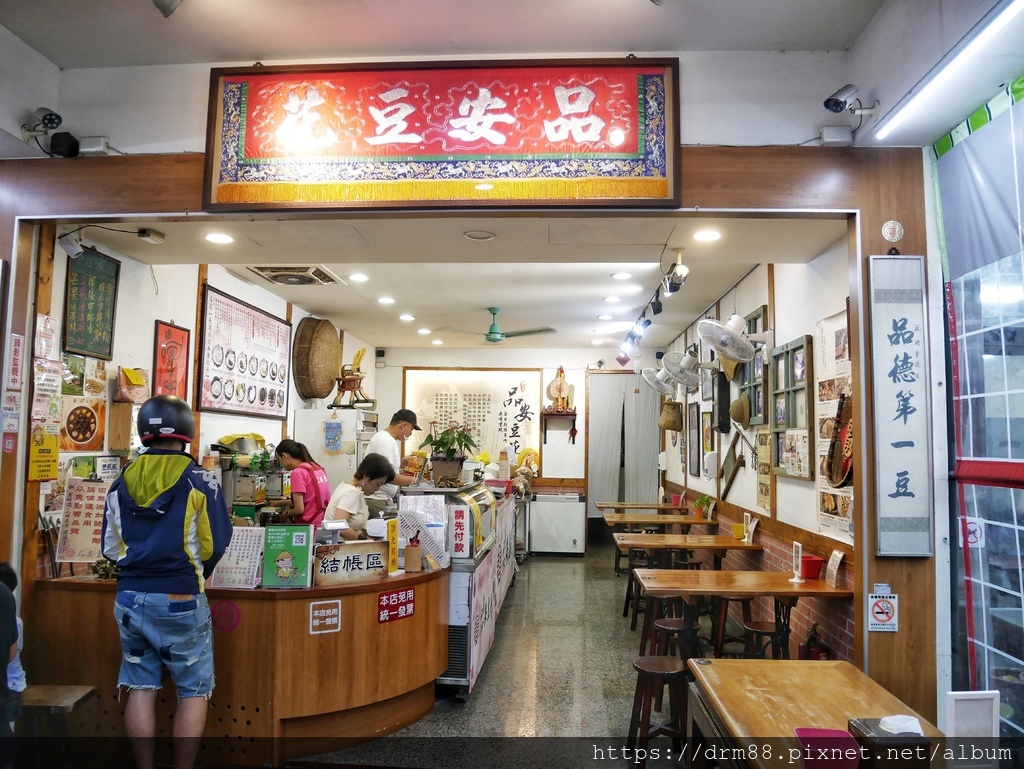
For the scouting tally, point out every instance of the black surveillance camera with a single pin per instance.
(841, 99)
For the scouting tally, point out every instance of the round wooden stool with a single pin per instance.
(652, 674)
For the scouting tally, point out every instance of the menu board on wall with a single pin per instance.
(90, 299)
(500, 406)
(244, 359)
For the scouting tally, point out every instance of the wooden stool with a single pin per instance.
(721, 637)
(652, 674)
(55, 702)
(637, 560)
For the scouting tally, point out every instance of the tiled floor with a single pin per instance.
(560, 666)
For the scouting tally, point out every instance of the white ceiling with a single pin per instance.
(542, 270)
(126, 33)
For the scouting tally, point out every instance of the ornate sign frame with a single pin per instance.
(566, 133)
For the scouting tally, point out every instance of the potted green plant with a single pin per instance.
(448, 449)
(702, 503)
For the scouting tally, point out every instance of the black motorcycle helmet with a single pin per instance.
(166, 416)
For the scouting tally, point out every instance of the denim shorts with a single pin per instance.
(158, 633)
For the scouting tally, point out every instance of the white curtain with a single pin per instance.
(612, 397)
(604, 431)
(643, 442)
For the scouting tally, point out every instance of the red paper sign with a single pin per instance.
(396, 604)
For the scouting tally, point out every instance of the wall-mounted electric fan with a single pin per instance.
(729, 339)
(673, 370)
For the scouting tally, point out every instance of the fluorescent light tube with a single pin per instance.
(947, 70)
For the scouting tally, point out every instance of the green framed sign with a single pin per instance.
(90, 300)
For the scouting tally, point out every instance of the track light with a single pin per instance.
(656, 306)
(167, 7)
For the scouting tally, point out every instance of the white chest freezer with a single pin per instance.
(558, 524)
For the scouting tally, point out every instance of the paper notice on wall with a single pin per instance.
(11, 413)
(15, 362)
(46, 338)
(832, 376)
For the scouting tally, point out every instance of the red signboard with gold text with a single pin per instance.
(586, 133)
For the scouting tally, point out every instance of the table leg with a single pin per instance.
(719, 556)
(783, 609)
(691, 613)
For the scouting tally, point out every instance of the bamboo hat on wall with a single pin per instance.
(316, 358)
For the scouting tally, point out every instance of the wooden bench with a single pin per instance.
(40, 701)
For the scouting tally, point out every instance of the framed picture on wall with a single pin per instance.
(170, 360)
(244, 359)
(90, 301)
(693, 436)
(707, 375)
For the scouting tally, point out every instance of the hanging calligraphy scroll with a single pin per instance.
(501, 407)
(445, 134)
(899, 355)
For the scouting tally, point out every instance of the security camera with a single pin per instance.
(841, 99)
(71, 246)
(49, 119)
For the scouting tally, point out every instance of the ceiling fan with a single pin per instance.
(494, 335)
(729, 339)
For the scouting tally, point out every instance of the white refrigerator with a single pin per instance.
(336, 438)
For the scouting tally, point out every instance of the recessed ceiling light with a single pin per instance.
(437, 341)
(386, 300)
(358, 277)
(220, 237)
(478, 235)
(621, 275)
(407, 317)
(604, 317)
(597, 341)
(707, 235)
(612, 299)
(423, 331)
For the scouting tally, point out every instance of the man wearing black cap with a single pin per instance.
(386, 442)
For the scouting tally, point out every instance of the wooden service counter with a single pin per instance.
(275, 678)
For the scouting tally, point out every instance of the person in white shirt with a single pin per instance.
(387, 443)
(348, 502)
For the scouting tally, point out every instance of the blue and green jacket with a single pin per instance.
(166, 523)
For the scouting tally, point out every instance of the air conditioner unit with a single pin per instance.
(296, 275)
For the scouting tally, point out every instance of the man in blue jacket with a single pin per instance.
(166, 525)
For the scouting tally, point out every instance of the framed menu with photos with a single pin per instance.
(244, 359)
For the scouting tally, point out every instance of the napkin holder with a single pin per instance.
(880, 748)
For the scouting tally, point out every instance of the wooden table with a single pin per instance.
(718, 544)
(691, 585)
(640, 506)
(652, 519)
(656, 519)
(737, 704)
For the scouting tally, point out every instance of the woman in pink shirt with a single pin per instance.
(311, 490)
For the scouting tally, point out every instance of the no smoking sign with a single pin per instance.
(883, 613)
